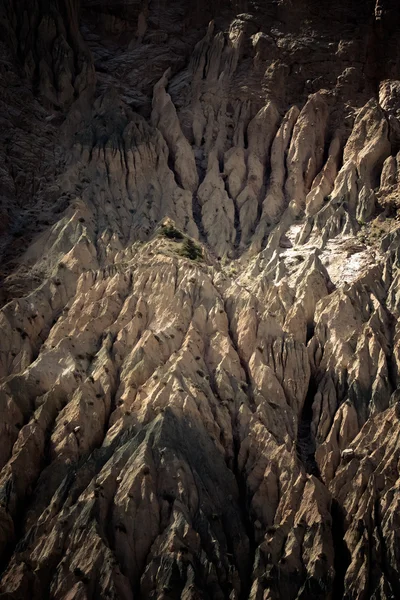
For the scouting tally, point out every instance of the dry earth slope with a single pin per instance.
(200, 292)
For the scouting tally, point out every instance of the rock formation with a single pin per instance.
(200, 293)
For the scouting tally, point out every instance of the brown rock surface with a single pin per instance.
(200, 293)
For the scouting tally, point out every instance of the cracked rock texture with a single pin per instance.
(200, 293)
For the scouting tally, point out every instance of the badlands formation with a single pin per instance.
(200, 292)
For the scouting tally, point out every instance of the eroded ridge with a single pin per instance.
(199, 350)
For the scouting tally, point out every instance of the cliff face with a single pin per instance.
(200, 290)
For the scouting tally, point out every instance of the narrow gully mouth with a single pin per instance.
(305, 444)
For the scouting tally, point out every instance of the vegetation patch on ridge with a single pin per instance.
(187, 247)
(190, 250)
(171, 232)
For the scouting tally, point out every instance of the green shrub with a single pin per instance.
(190, 250)
(170, 232)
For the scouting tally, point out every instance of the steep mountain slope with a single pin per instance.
(200, 348)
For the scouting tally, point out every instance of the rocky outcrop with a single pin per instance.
(53, 54)
(199, 350)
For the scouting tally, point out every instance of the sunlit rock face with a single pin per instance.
(200, 292)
